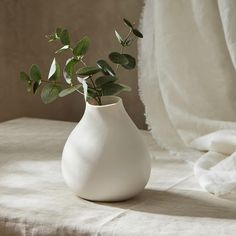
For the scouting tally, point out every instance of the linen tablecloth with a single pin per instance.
(34, 199)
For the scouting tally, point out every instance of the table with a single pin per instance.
(34, 199)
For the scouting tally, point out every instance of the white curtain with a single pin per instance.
(187, 80)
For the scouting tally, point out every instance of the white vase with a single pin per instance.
(105, 158)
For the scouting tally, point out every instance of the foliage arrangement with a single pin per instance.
(91, 81)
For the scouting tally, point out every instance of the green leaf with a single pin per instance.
(55, 71)
(82, 46)
(62, 49)
(113, 89)
(69, 69)
(118, 58)
(58, 32)
(50, 93)
(85, 89)
(132, 63)
(88, 70)
(121, 41)
(100, 81)
(70, 90)
(126, 88)
(128, 23)
(35, 74)
(137, 33)
(105, 67)
(36, 85)
(64, 37)
(90, 91)
(24, 76)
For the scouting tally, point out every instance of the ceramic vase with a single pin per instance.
(105, 158)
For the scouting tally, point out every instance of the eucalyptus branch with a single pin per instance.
(105, 84)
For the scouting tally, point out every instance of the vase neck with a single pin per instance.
(111, 104)
(108, 103)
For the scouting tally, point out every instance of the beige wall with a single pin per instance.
(23, 24)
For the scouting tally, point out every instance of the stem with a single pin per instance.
(94, 86)
(83, 62)
(122, 47)
(127, 36)
(53, 82)
(79, 91)
(121, 52)
(98, 98)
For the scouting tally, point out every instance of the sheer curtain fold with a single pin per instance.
(187, 74)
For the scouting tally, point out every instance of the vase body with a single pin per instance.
(105, 158)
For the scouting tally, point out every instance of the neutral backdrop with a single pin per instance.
(23, 25)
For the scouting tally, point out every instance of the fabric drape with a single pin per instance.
(187, 77)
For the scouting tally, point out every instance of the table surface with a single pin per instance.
(34, 199)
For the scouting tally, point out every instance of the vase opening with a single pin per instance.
(106, 101)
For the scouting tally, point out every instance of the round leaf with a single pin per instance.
(125, 88)
(132, 63)
(64, 37)
(35, 74)
(55, 71)
(24, 76)
(58, 32)
(100, 81)
(50, 93)
(105, 67)
(113, 89)
(70, 90)
(69, 69)
(137, 33)
(64, 48)
(85, 89)
(118, 58)
(88, 70)
(82, 47)
(121, 41)
(91, 93)
(128, 23)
